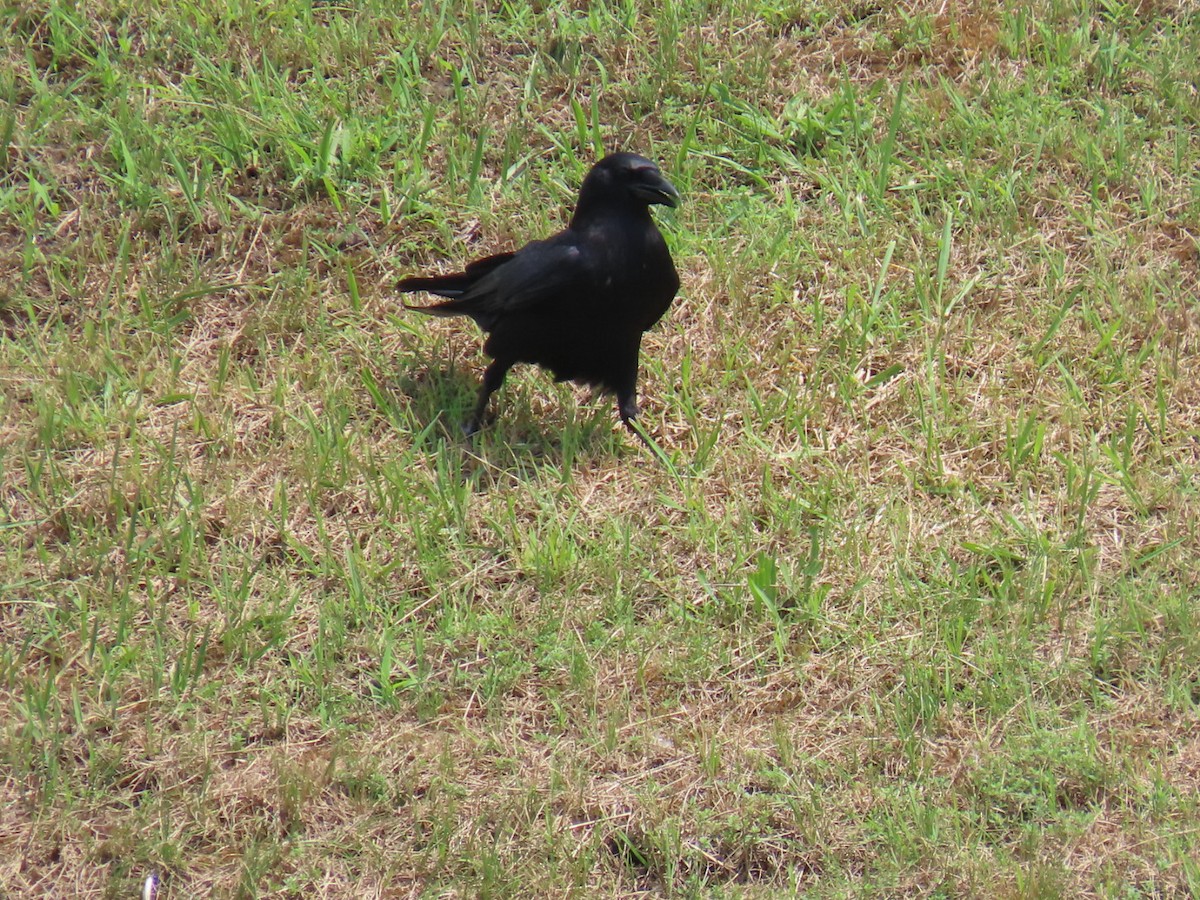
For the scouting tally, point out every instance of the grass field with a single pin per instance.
(908, 606)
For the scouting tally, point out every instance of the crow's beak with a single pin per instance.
(659, 190)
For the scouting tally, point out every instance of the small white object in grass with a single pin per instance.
(150, 888)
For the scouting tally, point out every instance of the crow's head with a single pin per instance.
(626, 180)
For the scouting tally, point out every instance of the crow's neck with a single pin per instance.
(588, 213)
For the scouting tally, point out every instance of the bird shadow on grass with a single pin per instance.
(513, 443)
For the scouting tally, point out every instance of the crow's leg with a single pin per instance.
(628, 409)
(492, 379)
(625, 388)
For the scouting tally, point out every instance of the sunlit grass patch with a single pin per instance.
(905, 607)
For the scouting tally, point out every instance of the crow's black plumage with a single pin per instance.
(578, 302)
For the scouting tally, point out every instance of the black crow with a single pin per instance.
(578, 302)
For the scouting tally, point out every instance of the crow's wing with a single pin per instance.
(538, 273)
(456, 284)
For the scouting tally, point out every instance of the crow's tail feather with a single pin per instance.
(438, 309)
(450, 286)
